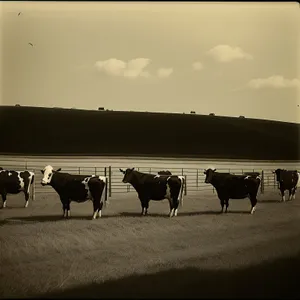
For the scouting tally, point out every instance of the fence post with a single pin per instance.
(25, 165)
(78, 170)
(95, 170)
(197, 179)
(182, 171)
(274, 181)
(109, 181)
(185, 186)
(262, 189)
(150, 171)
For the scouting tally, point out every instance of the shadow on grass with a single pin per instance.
(50, 218)
(269, 201)
(275, 279)
(184, 214)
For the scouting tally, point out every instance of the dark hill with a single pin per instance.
(42, 131)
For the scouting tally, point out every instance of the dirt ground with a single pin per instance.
(199, 253)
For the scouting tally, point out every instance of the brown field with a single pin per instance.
(199, 253)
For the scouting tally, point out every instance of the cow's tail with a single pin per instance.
(105, 194)
(32, 184)
(181, 190)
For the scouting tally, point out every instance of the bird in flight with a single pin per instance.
(30, 44)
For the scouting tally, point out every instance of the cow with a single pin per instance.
(156, 187)
(229, 186)
(78, 188)
(287, 180)
(164, 173)
(14, 182)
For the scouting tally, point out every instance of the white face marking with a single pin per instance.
(48, 173)
(9, 174)
(4, 203)
(253, 209)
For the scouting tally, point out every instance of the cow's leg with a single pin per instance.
(98, 204)
(294, 193)
(145, 206)
(253, 204)
(222, 202)
(3, 194)
(227, 204)
(282, 195)
(66, 207)
(175, 206)
(171, 204)
(26, 193)
(290, 194)
(26, 198)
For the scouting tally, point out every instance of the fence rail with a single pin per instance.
(194, 177)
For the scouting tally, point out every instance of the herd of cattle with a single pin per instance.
(164, 185)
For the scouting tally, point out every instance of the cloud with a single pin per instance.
(275, 81)
(197, 65)
(226, 53)
(164, 72)
(132, 69)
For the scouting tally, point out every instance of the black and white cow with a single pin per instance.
(79, 188)
(287, 180)
(14, 182)
(167, 172)
(156, 187)
(229, 186)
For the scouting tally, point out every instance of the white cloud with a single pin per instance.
(226, 53)
(197, 65)
(275, 81)
(132, 69)
(164, 72)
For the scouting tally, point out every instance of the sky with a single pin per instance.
(231, 59)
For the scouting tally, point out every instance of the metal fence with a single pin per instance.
(194, 177)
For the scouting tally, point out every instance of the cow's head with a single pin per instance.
(1, 169)
(278, 173)
(127, 175)
(48, 172)
(209, 174)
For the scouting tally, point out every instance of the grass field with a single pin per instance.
(200, 253)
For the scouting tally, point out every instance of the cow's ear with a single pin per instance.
(204, 171)
(59, 169)
(42, 171)
(132, 169)
(122, 171)
(214, 170)
(273, 172)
